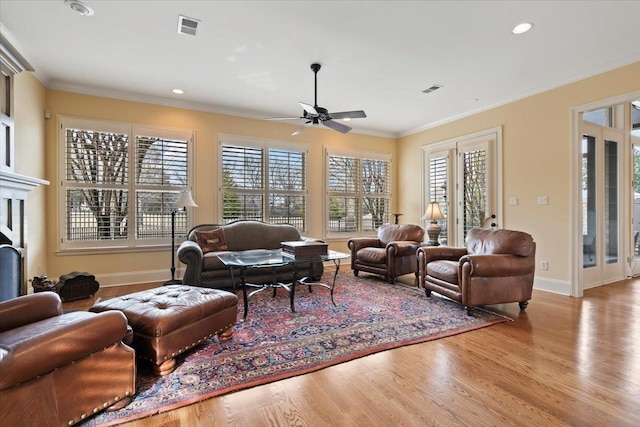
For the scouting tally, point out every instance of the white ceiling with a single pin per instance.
(252, 58)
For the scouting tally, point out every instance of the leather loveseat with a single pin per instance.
(494, 267)
(204, 242)
(58, 369)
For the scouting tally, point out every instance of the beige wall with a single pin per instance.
(115, 268)
(536, 160)
(29, 102)
(536, 149)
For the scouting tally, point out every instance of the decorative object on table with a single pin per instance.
(304, 249)
(433, 214)
(184, 201)
(392, 253)
(77, 285)
(273, 343)
(396, 217)
(42, 283)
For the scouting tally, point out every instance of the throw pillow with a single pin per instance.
(211, 241)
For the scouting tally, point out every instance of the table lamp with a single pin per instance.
(433, 214)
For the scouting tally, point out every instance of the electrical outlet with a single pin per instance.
(543, 200)
(513, 201)
(544, 265)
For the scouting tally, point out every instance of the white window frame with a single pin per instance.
(131, 243)
(358, 194)
(265, 145)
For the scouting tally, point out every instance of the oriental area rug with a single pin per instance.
(273, 343)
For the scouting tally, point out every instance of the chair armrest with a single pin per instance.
(434, 253)
(358, 243)
(402, 248)
(29, 309)
(498, 265)
(190, 253)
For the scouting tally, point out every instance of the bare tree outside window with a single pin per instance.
(105, 175)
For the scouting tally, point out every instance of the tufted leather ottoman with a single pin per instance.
(169, 320)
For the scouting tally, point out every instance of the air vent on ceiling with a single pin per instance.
(432, 88)
(187, 25)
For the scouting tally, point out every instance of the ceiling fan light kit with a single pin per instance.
(315, 115)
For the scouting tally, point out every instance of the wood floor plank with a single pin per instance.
(565, 361)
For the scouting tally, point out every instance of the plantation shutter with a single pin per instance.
(161, 172)
(242, 183)
(287, 185)
(376, 193)
(474, 170)
(344, 209)
(438, 173)
(96, 182)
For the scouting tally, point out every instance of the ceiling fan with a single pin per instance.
(315, 115)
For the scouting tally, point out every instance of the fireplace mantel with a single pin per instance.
(14, 181)
(14, 189)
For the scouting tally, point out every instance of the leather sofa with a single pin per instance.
(391, 254)
(494, 267)
(58, 369)
(203, 268)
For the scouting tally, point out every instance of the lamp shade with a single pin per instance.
(185, 200)
(433, 212)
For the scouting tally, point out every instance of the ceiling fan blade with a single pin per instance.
(308, 108)
(301, 128)
(284, 118)
(359, 114)
(336, 126)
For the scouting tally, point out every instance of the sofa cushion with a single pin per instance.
(482, 241)
(444, 270)
(372, 255)
(400, 232)
(211, 240)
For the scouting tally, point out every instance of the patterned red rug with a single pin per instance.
(273, 343)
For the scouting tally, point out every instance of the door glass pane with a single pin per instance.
(588, 201)
(611, 201)
(438, 172)
(636, 200)
(475, 189)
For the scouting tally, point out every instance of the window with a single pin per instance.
(263, 180)
(109, 168)
(359, 195)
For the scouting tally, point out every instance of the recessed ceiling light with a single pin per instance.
(78, 6)
(178, 91)
(522, 28)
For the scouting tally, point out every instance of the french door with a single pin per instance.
(635, 206)
(602, 205)
(461, 175)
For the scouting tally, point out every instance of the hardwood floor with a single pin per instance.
(565, 361)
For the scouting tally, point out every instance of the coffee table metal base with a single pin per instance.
(289, 287)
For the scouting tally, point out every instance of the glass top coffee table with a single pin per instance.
(269, 258)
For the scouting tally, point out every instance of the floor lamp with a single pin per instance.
(184, 201)
(433, 213)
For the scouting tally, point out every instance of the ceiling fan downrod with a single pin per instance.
(315, 68)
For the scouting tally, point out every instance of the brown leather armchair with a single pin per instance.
(495, 267)
(391, 254)
(58, 369)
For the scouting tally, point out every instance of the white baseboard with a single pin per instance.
(136, 277)
(561, 287)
